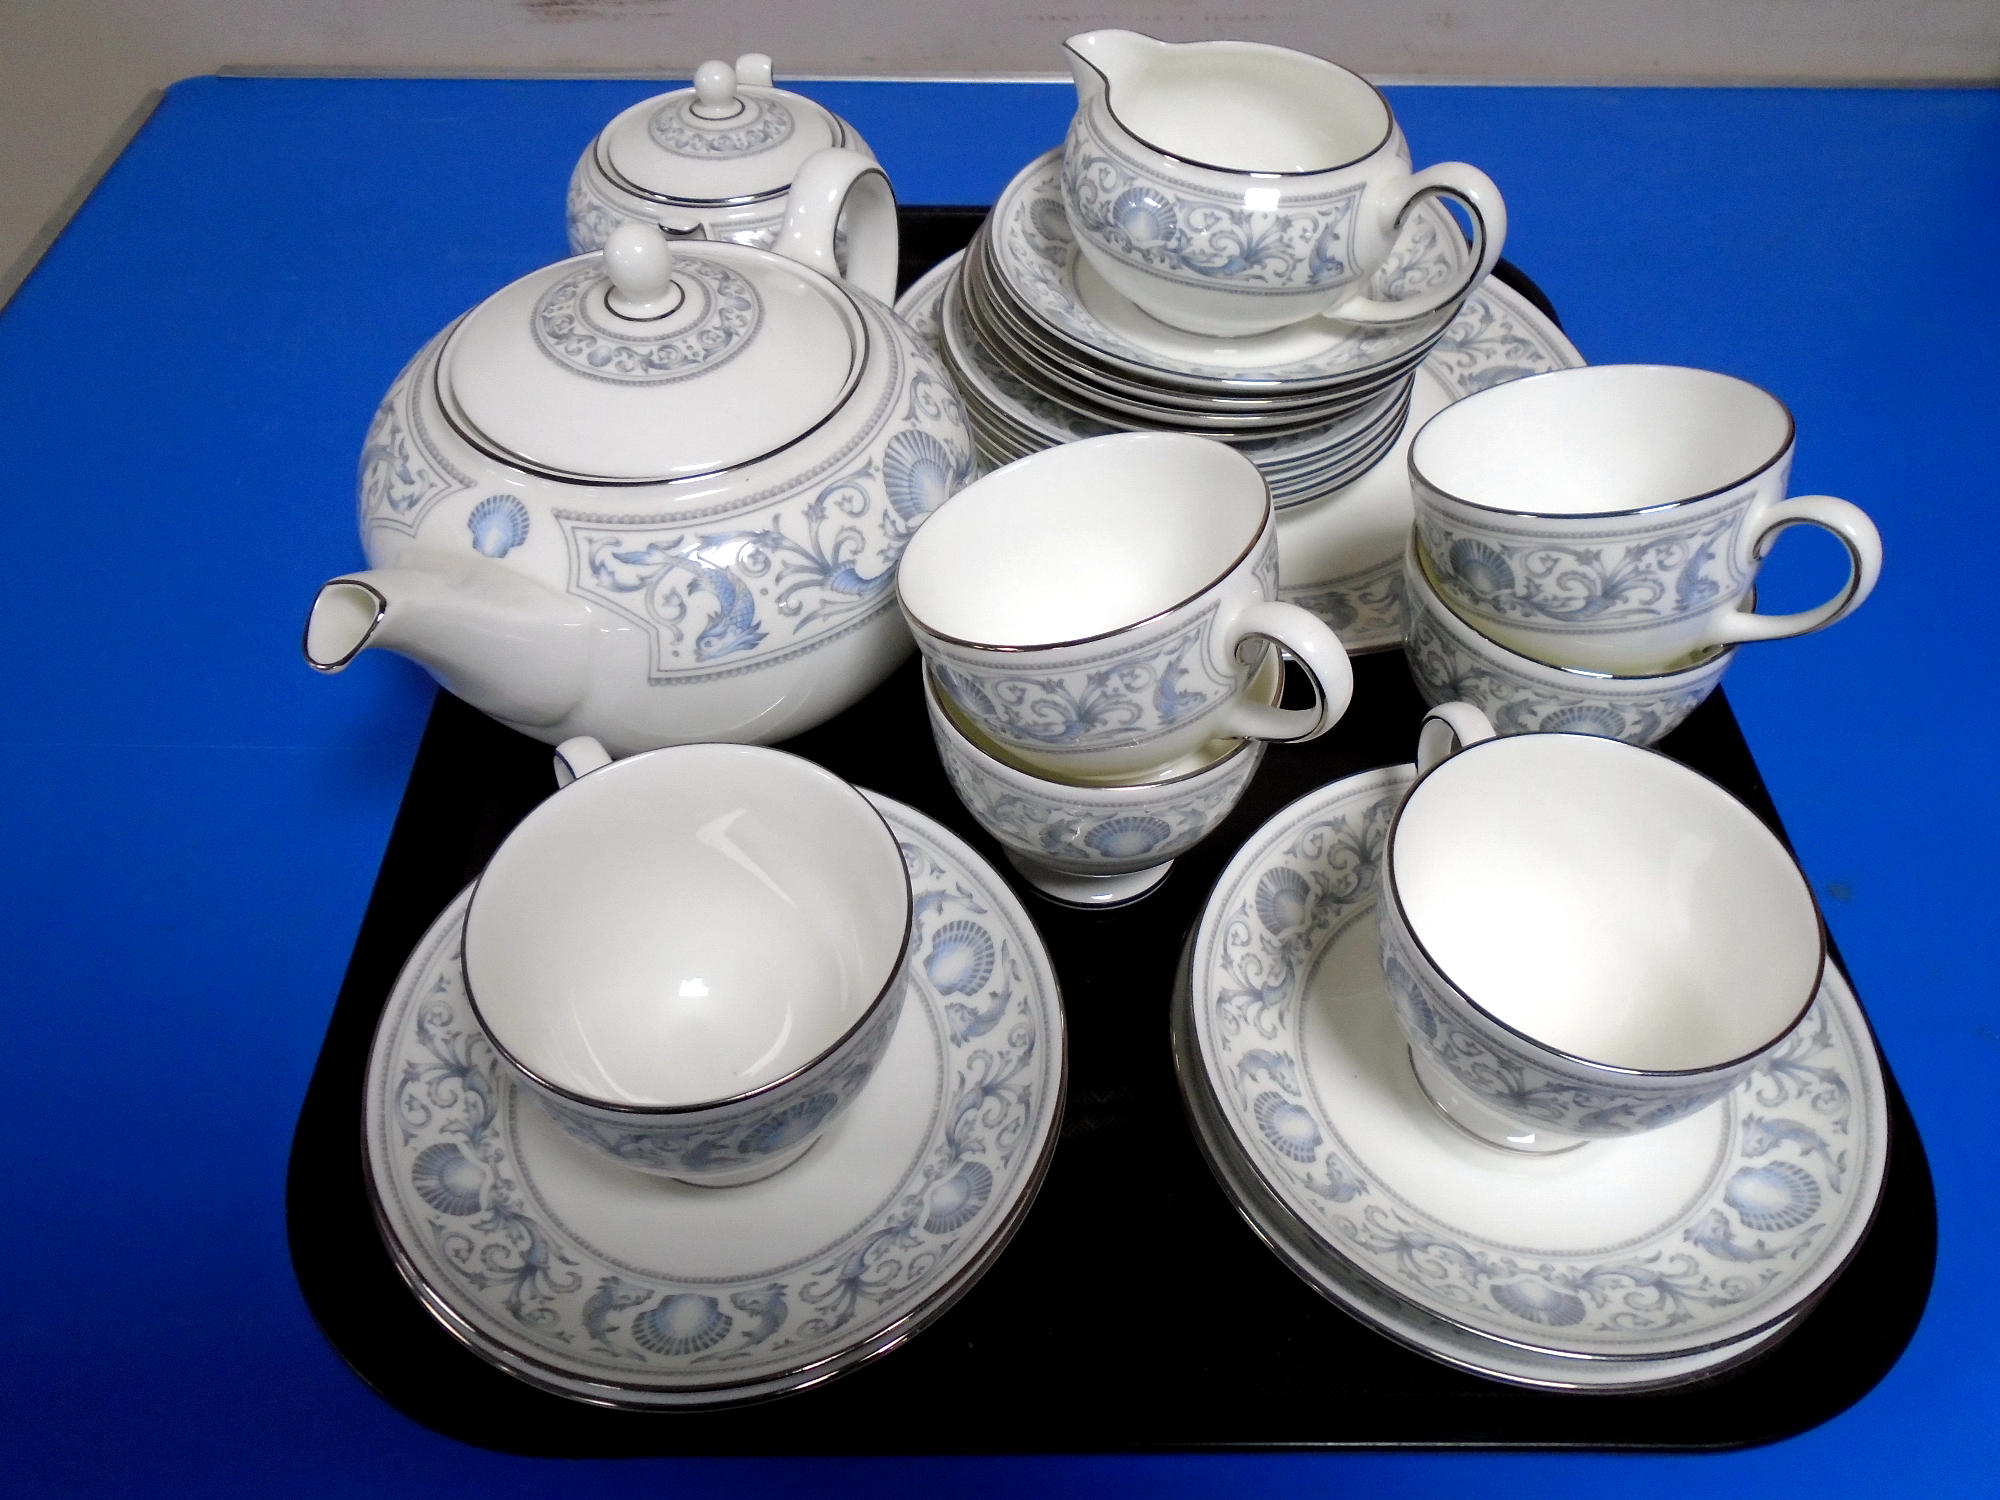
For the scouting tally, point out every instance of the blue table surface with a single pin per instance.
(193, 819)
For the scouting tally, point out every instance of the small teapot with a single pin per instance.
(714, 161)
(658, 494)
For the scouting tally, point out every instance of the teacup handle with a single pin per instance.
(832, 179)
(1315, 647)
(1448, 729)
(577, 758)
(1482, 200)
(1864, 552)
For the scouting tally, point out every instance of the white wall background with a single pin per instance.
(71, 71)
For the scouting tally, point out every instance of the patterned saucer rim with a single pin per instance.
(1395, 1318)
(1105, 344)
(1755, 1308)
(897, 1317)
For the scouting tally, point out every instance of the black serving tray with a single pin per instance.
(1134, 1310)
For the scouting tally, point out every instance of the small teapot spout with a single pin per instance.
(507, 645)
(1097, 59)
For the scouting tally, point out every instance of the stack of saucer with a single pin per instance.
(1629, 1262)
(1586, 546)
(1046, 352)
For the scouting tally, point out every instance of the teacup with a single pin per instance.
(1087, 844)
(1451, 661)
(1100, 609)
(692, 958)
(1582, 938)
(1614, 516)
(1230, 188)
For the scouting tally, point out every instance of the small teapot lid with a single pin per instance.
(650, 361)
(730, 138)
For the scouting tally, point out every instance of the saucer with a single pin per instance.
(1341, 556)
(1033, 252)
(593, 1281)
(1684, 1241)
(1293, 1243)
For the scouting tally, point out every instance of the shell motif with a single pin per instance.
(447, 1179)
(1286, 1126)
(1778, 1195)
(965, 691)
(1128, 837)
(956, 1201)
(1538, 1302)
(1050, 220)
(498, 524)
(685, 1323)
(1145, 216)
(1482, 569)
(1585, 718)
(788, 1126)
(961, 958)
(1283, 900)
(919, 473)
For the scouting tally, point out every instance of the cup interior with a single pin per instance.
(1082, 540)
(1606, 903)
(1602, 439)
(686, 926)
(1248, 108)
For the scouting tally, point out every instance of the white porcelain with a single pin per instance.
(1452, 662)
(1102, 608)
(655, 496)
(582, 1277)
(1293, 1241)
(1341, 557)
(1615, 517)
(1585, 939)
(1231, 188)
(715, 161)
(1694, 1238)
(1092, 844)
(694, 958)
(1034, 255)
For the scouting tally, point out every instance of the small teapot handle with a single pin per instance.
(830, 181)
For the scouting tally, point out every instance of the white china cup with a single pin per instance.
(1089, 844)
(693, 958)
(1232, 188)
(1450, 661)
(1100, 609)
(1614, 516)
(1582, 938)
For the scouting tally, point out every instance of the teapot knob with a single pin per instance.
(640, 263)
(715, 91)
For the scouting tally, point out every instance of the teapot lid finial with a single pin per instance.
(640, 264)
(715, 91)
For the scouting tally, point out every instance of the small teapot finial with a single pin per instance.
(640, 263)
(715, 91)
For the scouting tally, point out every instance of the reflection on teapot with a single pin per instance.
(659, 496)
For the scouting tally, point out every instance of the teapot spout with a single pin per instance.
(1097, 59)
(507, 645)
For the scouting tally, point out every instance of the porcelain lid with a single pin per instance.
(724, 140)
(652, 362)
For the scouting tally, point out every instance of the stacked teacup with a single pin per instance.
(1231, 242)
(1100, 626)
(1587, 543)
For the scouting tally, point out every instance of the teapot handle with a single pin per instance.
(830, 181)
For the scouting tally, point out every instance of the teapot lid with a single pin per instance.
(730, 138)
(651, 362)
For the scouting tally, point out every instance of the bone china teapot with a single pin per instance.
(658, 495)
(716, 160)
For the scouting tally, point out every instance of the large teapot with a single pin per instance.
(658, 495)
